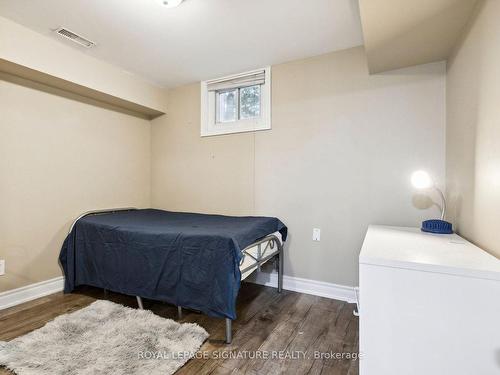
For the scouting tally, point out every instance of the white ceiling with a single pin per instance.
(200, 39)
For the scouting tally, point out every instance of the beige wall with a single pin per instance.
(60, 156)
(399, 33)
(473, 130)
(189, 173)
(339, 156)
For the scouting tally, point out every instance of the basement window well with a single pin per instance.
(237, 103)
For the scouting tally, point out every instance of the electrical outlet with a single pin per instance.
(316, 234)
(2, 267)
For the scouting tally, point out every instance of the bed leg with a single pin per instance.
(229, 333)
(139, 302)
(280, 270)
(259, 255)
(179, 312)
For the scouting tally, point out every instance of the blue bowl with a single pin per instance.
(437, 226)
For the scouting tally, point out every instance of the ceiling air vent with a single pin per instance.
(74, 37)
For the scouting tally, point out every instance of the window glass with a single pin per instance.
(237, 103)
(250, 102)
(228, 106)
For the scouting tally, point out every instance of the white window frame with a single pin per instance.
(209, 108)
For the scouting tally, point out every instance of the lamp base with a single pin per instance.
(437, 226)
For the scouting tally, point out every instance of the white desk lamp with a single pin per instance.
(422, 181)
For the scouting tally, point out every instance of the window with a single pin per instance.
(235, 104)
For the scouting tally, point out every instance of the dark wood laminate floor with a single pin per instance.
(267, 322)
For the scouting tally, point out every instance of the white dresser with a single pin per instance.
(429, 305)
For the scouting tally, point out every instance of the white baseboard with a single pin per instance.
(31, 292)
(297, 284)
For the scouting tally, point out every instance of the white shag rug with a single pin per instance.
(104, 338)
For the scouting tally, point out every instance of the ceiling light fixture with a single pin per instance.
(170, 3)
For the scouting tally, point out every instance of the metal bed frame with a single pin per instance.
(273, 248)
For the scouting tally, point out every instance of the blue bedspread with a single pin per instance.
(187, 259)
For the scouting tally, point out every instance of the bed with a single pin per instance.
(193, 261)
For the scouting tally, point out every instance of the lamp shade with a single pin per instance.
(421, 180)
